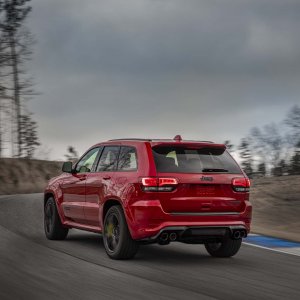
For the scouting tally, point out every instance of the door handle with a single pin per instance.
(106, 177)
(82, 178)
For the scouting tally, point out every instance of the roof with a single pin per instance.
(177, 141)
(177, 138)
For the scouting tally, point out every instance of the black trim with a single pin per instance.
(180, 230)
(97, 159)
(205, 213)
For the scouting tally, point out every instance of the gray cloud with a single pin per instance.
(206, 69)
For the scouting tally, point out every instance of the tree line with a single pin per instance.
(18, 130)
(272, 150)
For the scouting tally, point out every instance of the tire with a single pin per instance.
(53, 227)
(226, 248)
(116, 236)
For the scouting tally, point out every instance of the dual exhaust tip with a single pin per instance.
(239, 234)
(165, 237)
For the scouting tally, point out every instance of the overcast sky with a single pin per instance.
(156, 68)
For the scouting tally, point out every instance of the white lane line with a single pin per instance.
(275, 250)
(292, 250)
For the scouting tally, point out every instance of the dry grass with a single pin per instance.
(21, 176)
(276, 206)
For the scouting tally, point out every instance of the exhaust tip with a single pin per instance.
(237, 234)
(164, 237)
(173, 236)
(243, 234)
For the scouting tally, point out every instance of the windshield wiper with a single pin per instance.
(214, 170)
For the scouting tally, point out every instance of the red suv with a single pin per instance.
(140, 191)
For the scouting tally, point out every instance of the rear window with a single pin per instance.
(185, 160)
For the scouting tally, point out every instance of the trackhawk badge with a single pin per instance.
(206, 178)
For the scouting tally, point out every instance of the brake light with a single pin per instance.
(149, 181)
(241, 184)
(162, 184)
(167, 181)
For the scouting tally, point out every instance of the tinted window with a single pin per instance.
(127, 159)
(87, 161)
(185, 160)
(108, 159)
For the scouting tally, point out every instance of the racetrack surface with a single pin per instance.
(78, 268)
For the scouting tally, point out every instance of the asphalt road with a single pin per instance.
(32, 267)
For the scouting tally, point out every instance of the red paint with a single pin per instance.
(81, 197)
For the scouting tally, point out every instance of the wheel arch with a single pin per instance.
(48, 195)
(51, 194)
(112, 202)
(107, 205)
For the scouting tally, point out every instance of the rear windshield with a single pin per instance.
(184, 160)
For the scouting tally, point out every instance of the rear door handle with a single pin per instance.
(82, 178)
(106, 177)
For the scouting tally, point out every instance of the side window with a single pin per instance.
(86, 162)
(127, 159)
(108, 159)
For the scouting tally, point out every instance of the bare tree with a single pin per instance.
(281, 169)
(267, 145)
(16, 46)
(72, 154)
(1, 134)
(292, 120)
(246, 156)
(2, 89)
(28, 135)
(229, 146)
(261, 169)
(295, 161)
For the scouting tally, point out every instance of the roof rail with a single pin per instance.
(130, 139)
(197, 141)
(153, 140)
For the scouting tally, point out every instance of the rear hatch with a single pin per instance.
(207, 179)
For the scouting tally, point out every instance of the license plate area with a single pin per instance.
(207, 232)
(204, 190)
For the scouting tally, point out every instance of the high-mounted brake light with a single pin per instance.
(177, 138)
(161, 184)
(240, 184)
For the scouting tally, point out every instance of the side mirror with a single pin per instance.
(67, 167)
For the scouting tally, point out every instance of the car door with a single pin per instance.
(74, 189)
(99, 184)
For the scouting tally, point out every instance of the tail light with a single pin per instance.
(240, 184)
(161, 184)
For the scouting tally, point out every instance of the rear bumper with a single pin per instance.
(147, 220)
(196, 234)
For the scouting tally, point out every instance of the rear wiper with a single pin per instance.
(214, 170)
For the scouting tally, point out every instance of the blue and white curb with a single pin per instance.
(274, 244)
